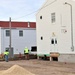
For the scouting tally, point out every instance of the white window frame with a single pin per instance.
(53, 17)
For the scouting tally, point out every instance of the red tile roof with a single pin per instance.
(5, 24)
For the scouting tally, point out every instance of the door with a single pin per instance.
(53, 45)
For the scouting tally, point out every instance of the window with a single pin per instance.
(55, 41)
(52, 17)
(52, 41)
(40, 17)
(41, 38)
(7, 32)
(34, 48)
(21, 33)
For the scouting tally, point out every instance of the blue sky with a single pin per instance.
(18, 9)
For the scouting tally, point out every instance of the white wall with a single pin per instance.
(46, 29)
(19, 43)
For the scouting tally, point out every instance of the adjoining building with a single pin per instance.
(56, 30)
(23, 34)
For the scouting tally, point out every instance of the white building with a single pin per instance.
(23, 34)
(56, 29)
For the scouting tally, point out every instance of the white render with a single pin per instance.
(60, 30)
(18, 43)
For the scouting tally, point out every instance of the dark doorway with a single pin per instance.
(55, 58)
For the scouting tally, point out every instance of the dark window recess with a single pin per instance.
(52, 41)
(20, 33)
(40, 17)
(41, 38)
(55, 58)
(52, 17)
(34, 48)
(7, 32)
(55, 41)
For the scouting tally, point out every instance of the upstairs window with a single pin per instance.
(7, 32)
(40, 17)
(41, 38)
(53, 18)
(21, 33)
(34, 48)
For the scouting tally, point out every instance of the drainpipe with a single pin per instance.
(72, 47)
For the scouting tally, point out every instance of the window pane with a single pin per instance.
(52, 17)
(20, 33)
(52, 41)
(41, 38)
(7, 32)
(40, 17)
(55, 41)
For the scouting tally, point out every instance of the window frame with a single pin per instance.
(40, 17)
(41, 37)
(7, 33)
(20, 33)
(53, 17)
(52, 41)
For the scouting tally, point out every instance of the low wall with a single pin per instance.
(66, 58)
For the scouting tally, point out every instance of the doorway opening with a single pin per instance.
(54, 58)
